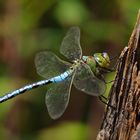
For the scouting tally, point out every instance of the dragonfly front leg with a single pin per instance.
(106, 70)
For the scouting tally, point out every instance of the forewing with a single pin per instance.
(57, 97)
(87, 82)
(49, 65)
(70, 46)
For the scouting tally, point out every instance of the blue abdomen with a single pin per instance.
(61, 77)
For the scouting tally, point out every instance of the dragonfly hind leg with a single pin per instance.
(101, 97)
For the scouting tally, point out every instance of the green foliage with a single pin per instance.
(66, 130)
(70, 12)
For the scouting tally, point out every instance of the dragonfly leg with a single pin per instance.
(101, 76)
(101, 97)
(108, 82)
(107, 70)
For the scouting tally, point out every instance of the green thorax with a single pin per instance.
(90, 61)
(101, 60)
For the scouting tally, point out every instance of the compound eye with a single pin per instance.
(98, 60)
(105, 55)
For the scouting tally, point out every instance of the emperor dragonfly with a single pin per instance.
(82, 71)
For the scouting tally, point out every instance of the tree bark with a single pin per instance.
(123, 122)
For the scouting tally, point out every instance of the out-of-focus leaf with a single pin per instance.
(104, 31)
(28, 16)
(65, 131)
(130, 9)
(71, 12)
(43, 39)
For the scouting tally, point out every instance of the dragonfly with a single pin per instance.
(84, 72)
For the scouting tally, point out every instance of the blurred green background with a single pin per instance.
(30, 26)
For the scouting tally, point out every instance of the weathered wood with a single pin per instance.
(123, 123)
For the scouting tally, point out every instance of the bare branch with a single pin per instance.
(123, 123)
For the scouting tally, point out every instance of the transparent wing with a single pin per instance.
(86, 81)
(70, 46)
(57, 97)
(49, 65)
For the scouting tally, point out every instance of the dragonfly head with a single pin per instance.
(102, 59)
